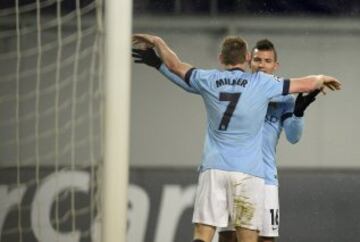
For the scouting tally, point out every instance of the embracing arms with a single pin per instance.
(169, 57)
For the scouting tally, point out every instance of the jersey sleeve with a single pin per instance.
(176, 79)
(293, 125)
(289, 103)
(278, 99)
(198, 79)
(274, 86)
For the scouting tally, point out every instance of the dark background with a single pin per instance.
(220, 7)
(316, 205)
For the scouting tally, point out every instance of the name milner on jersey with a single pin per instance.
(231, 82)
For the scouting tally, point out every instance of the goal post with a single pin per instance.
(64, 119)
(117, 88)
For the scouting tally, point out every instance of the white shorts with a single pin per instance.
(270, 216)
(225, 198)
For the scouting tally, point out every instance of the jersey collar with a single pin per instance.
(235, 69)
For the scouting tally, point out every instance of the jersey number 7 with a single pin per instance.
(233, 98)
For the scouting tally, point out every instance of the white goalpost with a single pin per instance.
(64, 120)
(115, 175)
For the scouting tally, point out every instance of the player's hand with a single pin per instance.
(331, 83)
(147, 56)
(302, 102)
(145, 40)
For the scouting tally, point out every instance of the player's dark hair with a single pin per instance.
(265, 45)
(233, 50)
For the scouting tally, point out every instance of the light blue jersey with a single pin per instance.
(279, 115)
(176, 79)
(236, 104)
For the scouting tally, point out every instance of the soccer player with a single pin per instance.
(231, 179)
(281, 114)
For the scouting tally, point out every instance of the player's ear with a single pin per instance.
(277, 65)
(248, 57)
(221, 58)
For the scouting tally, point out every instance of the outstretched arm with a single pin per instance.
(313, 82)
(169, 57)
(176, 79)
(150, 58)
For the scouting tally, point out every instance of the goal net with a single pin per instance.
(51, 119)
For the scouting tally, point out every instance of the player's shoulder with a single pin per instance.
(263, 74)
(200, 75)
(206, 72)
(266, 76)
(290, 98)
(287, 99)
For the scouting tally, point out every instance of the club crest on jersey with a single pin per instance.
(271, 119)
(231, 82)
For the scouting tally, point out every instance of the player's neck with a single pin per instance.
(237, 66)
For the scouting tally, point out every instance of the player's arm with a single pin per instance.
(150, 58)
(176, 79)
(313, 82)
(169, 57)
(293, 125)
(302, 102)
(274, 86)
(293, 122)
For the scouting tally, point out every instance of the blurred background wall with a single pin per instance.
(319, 176)
(168, 124)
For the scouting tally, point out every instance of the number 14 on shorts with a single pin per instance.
(274, 213)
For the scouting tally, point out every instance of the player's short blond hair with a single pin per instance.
(233, 50)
